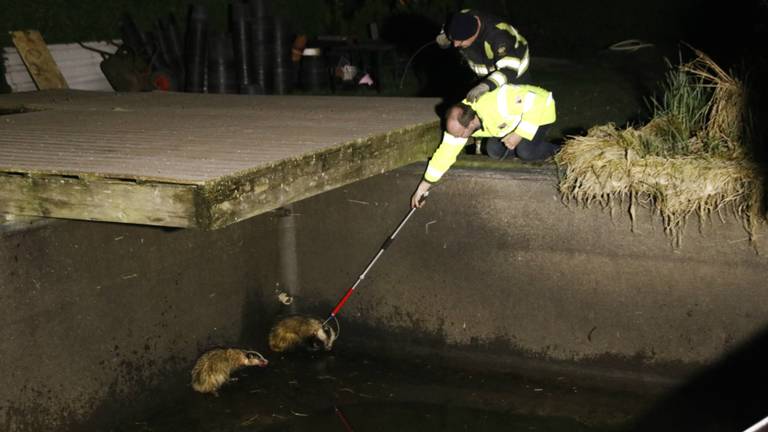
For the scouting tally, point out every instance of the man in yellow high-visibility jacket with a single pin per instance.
(514, 117)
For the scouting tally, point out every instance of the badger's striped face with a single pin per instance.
(326, 336)
(253, 358)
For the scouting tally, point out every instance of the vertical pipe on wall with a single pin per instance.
(288, 257)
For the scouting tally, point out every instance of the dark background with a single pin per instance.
(726, 30)
(733, 33)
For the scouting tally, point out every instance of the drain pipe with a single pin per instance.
(288, 258)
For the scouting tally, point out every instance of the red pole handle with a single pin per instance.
(343, 419)
(342, 301)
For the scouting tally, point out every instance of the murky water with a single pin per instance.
(344, 392)
(424, 417)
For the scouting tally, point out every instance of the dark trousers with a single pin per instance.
(536, 149)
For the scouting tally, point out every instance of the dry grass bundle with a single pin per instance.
(690, 159)
(726, 117)
(606, 168)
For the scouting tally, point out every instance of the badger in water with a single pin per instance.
(301, 332)
(214, 367)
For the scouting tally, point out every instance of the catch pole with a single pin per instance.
(360, 278)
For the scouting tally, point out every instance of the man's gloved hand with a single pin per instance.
(443, 41)
(478, 91)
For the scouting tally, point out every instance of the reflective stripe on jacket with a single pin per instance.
(500, 53)
(444, 157)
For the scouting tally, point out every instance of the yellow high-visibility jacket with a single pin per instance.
(518, 109)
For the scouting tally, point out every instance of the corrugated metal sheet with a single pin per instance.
(79, 66)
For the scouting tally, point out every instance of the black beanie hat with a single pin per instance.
(461, 26)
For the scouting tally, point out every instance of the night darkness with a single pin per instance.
(733, 33)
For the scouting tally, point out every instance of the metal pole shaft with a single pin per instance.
(384, 246)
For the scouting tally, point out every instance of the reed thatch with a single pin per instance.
(691, 158)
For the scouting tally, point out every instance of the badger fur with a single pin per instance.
(301, 332)
(214, 367)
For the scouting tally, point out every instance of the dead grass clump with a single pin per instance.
(689, 159)
(727, 112)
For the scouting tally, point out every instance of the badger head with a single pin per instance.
(324, 338)
(253, 358)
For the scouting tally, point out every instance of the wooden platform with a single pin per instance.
(196, 161)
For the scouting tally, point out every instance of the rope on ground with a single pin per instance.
(630, 45)
(405, 69)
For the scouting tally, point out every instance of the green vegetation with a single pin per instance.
(680, 113)
(701, 112)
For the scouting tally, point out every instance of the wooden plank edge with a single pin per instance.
(239, 197)
(104, 200)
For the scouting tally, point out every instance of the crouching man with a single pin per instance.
(514, 118)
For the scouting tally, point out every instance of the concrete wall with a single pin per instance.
(495, 268)
(495, 271)
(95, 316)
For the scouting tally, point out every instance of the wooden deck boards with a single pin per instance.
(191, 160)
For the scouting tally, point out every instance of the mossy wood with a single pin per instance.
(196, 161)
(229, 200)
(98, 200)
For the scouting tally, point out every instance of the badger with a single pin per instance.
(213, 368)
(301, 332)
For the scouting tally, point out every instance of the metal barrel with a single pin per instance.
(314, 74)
(262, 53)
(239, 24)
(221, 73)
(195, 49)
(282, 65)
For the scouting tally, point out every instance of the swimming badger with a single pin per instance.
(214, 367)
(301, 332)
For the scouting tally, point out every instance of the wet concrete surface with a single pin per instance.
(341, 391)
